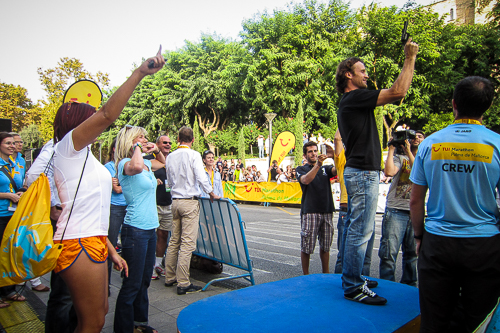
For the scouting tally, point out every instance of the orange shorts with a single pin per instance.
(94, 247)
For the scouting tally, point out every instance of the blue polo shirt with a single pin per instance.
(460, 165)
(5, 186)
(20, 164)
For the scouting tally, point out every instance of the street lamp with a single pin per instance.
(270, 117)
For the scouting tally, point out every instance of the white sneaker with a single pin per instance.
(159, 270)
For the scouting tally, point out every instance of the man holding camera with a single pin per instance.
(397, 230)
(363, 152)
(316, 209)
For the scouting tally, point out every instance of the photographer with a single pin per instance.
(397, 230)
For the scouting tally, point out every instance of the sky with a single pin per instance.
(112, 35)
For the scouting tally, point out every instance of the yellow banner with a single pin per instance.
(283, 144)
(462, 151)
(263, 192)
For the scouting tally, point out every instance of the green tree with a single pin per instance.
(15, 105)
(55, 82)
(31, 136)
(380, 47)
(295, 53)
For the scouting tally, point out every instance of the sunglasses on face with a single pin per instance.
(167, 142)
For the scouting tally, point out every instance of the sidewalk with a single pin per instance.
(164, 305)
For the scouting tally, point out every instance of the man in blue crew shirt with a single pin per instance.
(359, 133)
(459, 246)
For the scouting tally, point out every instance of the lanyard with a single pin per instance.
(182, 146)
(467, 121)
(211, 176)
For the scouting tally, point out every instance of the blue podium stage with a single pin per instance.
(311, 303)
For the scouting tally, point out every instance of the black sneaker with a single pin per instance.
(170, 284)
(366, 296)
(371, 284)
(188, 290)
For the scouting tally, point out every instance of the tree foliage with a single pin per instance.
(286, 63)
(15, 105)
(31, 136)
(55, 82)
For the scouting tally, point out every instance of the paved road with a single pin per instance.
(273, 238)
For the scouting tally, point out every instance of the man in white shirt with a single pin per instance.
(185, 172)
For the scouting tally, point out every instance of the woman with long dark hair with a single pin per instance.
(84, 187)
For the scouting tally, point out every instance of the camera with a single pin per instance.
(400, 137)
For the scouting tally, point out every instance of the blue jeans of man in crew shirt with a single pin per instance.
(362, 191)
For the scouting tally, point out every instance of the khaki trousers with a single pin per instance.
(186, 215)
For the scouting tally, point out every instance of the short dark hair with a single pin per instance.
(186, 134)
(344, 67)
(308, 144)
(69, 116)
(207, 152)
(473, 96)
(420, 132)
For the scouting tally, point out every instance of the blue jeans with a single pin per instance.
(261, 151)
(362, 191)
(138, 249)
(397, 232)
(340, 235)
(343, 219)
(368, 256)
(116, 217)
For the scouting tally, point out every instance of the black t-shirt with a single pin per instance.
(358, 129)
(274, 173)
(163, 198)
(317, 196)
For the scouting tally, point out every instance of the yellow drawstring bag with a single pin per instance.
(27, 248)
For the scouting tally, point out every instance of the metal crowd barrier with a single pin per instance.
(222, 237)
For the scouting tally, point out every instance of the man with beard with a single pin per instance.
(358, 129)
(316, 209)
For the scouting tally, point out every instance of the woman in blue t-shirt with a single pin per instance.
(118, 207)
(8, 200)
(138, 236)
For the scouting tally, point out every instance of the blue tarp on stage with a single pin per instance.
(311, 303)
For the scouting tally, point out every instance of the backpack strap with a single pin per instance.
(74, 199)
(12, 182)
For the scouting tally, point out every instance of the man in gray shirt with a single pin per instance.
(397, 230)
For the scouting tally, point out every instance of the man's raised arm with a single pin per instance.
(402, 83)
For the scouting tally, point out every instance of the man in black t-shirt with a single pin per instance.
(164, 208)
(273, 171)
(359, 133)
(316, 209)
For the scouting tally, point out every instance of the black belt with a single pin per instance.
(343, 209)
(191, 198)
